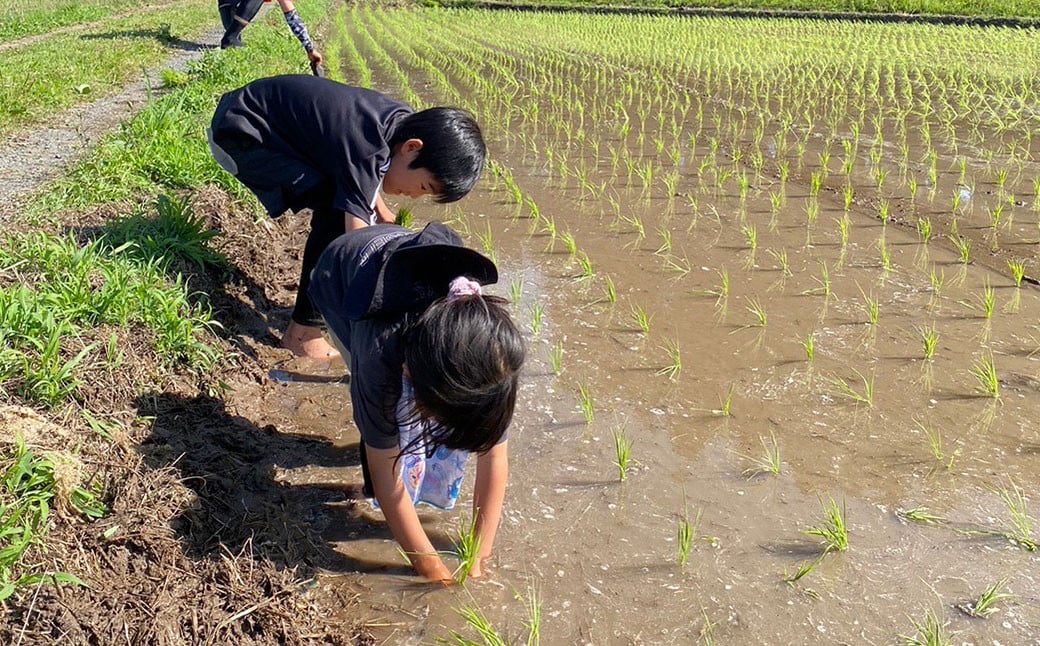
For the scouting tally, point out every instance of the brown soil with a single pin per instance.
(202, 544)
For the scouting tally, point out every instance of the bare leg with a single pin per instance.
(308, 341)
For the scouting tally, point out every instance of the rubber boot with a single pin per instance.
(245, 11)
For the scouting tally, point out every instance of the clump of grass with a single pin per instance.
(832, 529)
(768, 461)
(928, 632)
(623, 452)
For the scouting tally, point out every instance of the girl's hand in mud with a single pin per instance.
(432, 569)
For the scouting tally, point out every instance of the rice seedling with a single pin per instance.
(666, 241)
(832, 529)
(569, 242)
(1020, 524)
(673, 369)
(686, 534)
(929, 341)
(920, 515)
(467, 548)
(927, 633)
(986, 603)
(985, 372)
(588, 407)
(537, 314)
(755, 307)
(871, 306)
(924, 229)
(988, 300)
(809, 345)
(588, 272)
(611, 291)
(622, 451)
(963, 246)
(556, 358)
(721, 293)
(768, 462)
(725, 404)
(847, 390)
(478, 621)
(935, 443)
(804, 569)
(937, 280)
(516, 289)
(641, 318)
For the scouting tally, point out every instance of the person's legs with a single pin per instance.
(244, 12)
(303, 336)
(227, 12)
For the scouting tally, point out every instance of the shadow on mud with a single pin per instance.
(231, 466)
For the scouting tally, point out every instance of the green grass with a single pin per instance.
(22, 18)
(57, 72)
(29, 488)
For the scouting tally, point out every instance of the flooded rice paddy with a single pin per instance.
(745, 245)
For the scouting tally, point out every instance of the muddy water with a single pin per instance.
(601, 555)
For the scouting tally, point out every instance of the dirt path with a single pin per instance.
(31, 158)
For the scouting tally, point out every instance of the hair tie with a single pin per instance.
(462, 286)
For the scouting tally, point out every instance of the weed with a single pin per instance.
(833, 529)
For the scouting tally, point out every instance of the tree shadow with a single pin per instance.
(161, 34)
(231, 465)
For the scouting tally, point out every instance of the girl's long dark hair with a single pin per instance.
(464, 357)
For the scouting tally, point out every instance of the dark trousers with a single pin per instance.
(281, 182)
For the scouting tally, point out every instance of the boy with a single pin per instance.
(304, 142)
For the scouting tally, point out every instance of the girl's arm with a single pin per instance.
(400, 515)
(489, 494)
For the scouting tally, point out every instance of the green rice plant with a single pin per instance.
(622, 451)
(921, 515)
(611, 291)
(871, 306)
(686, 532)
(755, 307)
(569, 242)
(924, 229)
(678, 265)
(988, 300)
(721, 293)
(809, 345)
(537, 313)
(666, 241)
(641, 318)
(929, 340)
(804, 569)
(927, 633)
(938, 280)
(963, 246)
(725, 404)
(556, 358)
(781, 258)
(1018, 270)
(533, 610)
(588, 407)
(516, 289)
(477, 621)
(985, 372)
(768, 462)
(1020, 524)
(832, 529)
(467, 548)
(846, 390)
(935, 442)
(986, 604)
(588, 272)
(673, 369)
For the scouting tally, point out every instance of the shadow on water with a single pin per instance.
(231, 465)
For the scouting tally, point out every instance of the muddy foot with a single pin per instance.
(307, 341)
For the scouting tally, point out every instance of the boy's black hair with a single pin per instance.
(453, 148)
(464, 357)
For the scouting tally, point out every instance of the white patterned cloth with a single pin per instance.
(430, 477)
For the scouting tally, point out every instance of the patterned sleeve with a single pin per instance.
(299, 30)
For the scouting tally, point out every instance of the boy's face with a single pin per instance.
(402, 180)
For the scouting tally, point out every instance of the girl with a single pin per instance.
(434, 366)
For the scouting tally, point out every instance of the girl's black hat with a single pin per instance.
(386, 270)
